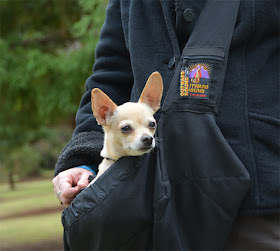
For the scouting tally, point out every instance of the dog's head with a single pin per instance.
(129, 128)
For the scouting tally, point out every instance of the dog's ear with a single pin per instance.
(152, 92)
(102, 106)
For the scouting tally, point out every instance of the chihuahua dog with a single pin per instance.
(129, 128)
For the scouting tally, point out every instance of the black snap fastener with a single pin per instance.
(171, 63)
(188, 15)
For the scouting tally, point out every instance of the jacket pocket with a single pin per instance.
(265, 146)
(112, 210)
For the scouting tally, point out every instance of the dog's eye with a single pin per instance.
(126, 129)
(152, 125)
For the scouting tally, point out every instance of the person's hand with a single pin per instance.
(67, 184)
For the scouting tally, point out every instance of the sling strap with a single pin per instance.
(200, 182)
(211, 38)
(209, 42)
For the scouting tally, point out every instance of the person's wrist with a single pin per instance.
(91, 168)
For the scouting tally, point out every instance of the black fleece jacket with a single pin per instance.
(139, 37)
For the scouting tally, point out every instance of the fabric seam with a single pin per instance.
(247, 125)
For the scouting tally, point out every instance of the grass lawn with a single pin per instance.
(26, 189)
(31, 229)
(22, 205)
(28, 196)
(29, 199)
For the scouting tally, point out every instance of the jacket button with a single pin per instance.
(171, 63)
(188, 15)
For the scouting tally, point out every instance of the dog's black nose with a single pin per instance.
(147, 140)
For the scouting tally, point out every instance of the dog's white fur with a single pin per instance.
(129, 128)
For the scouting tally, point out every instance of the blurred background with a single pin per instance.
(46, 55)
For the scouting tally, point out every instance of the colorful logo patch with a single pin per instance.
(195, 81)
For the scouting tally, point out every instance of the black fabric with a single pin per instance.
(108, 216)
(183, 28)
(139, 37)
(249, 91)
(171, 198)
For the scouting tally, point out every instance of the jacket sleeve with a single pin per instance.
(112, 73)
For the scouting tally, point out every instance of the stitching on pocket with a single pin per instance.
(264, 118)
(112, 191)
(82, 215)
(253, 167)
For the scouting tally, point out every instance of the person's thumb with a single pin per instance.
(83, 182)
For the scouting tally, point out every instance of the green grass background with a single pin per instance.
(29, 197)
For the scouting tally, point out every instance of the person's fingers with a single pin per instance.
(83, 182)
(63, 187)
(67, 184)
(68, 194)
